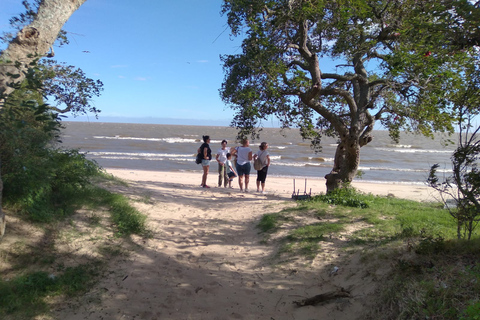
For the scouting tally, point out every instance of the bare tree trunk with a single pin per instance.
(32, 42)
(347, 159)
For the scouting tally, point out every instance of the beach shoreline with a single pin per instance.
(281, 186)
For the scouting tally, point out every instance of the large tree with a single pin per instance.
(31, 43)
(381, 72)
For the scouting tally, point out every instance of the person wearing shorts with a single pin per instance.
(207, 156)
(244, 156)
(264, 157)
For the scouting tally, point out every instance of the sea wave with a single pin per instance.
(400, 169)
(407, 146)
(407, 150)
(167, 140)
(140, 154)
(319, 159)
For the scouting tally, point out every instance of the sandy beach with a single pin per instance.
(207, 260)
(282, 187)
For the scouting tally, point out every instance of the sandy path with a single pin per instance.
(206, 260)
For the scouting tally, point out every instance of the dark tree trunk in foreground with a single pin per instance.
(32, 42)
(347, 159)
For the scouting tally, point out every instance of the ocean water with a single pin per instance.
(173, 148)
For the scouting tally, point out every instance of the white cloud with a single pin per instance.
(202, 61)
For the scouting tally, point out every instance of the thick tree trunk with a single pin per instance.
(347, 159)
(32, 42)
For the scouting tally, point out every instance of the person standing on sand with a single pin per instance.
(207, 156)
(244, 156)
(222, 169)
(230, 170)
(264, 157)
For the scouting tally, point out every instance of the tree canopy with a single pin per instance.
(339, 67)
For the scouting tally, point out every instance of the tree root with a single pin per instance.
(342, 293)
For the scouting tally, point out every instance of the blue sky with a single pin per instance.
(157, 59)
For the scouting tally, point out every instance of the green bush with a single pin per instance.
(52, 189)
(346, 196)
(39, 179)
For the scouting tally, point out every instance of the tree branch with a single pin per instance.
(33, 41)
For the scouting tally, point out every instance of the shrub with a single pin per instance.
(346, 196)
(39, 179)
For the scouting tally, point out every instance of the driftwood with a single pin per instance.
(342, 293)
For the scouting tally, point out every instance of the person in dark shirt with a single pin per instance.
(207, 156)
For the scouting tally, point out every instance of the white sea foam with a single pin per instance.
(140, 155)
(401, 169)
(322, 159)
(167, 140)
(406, 150)
(408, 146)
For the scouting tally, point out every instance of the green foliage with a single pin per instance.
(346, 196)
(386, 220)
(472, 312)
(314, 232)
(442, 280)
(463, 186)
(392, 65)
(127, 219)
(39, 180)
(25, 294)
(268, 222)
(441, 283)
(69, 87)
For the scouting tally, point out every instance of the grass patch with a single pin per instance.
(42, 267)
(439, 280)
(24, 295)
(435, 285)
(126, 218)
(269, 222)
(314, 232)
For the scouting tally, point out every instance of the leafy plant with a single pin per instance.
(127, 219)
(463, 186)
(346, 196)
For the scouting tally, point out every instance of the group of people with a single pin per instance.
(229, 169)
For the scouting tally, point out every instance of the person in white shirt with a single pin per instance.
(244, 156)
(221, 159)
